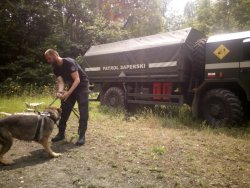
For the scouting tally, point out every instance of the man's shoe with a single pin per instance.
(58, 137)
(80, 141)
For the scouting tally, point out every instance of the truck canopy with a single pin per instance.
(229, 36)
(160, 56)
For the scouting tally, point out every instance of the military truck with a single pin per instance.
(211, 75)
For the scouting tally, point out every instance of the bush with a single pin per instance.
(12, 88)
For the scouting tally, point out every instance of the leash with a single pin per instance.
(76, 113)
(53, 102)
(74, 110)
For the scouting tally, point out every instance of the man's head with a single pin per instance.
(51, 56)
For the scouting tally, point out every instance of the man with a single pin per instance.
(68, 71)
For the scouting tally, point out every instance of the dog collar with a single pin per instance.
(47, 114)
(40, 124)
(39, 130)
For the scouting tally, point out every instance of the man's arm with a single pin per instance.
(60, 84)
(76, 81)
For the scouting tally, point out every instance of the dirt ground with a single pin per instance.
(138, 153)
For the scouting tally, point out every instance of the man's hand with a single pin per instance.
(65, 96)
(59, 94)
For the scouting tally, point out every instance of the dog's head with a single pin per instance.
(54, 113)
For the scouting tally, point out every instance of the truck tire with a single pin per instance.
(221, 106)
(114, 97)
(198, 56)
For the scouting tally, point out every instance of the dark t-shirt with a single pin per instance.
(69, 66)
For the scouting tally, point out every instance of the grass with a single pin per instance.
(170, 117)
(17, 103)
(164, 142)
(180, 118)
(159, 150)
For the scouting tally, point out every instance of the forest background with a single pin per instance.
(29, 27)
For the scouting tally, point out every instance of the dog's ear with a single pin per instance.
(59, 110)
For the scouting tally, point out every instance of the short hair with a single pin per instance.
(51, 52)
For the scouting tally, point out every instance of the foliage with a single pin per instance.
(11, 88)
(29, 27)
(211, 16)
(137, 17)
(218, 16)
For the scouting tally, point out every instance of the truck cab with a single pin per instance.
(224, 94)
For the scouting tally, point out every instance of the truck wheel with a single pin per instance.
(114, 97)
(198, 55)
(221, 106)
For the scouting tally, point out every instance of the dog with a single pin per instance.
(28, 127)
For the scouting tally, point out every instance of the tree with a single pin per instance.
(241, 14)
(29, 27)
(218, 16)
(23, 27)
(137, 17)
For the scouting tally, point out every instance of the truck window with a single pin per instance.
(246, 49)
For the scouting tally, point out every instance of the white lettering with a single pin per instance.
(134, 66)
(124, 67)
(110, 68)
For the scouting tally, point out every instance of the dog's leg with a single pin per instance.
(5, 161)
(46, 145)
(6, 142)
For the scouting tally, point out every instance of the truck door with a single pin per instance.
(245, 64)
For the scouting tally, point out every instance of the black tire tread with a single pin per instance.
(234, 103)
(118, 92)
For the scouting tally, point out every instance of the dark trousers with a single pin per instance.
(81, 96)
